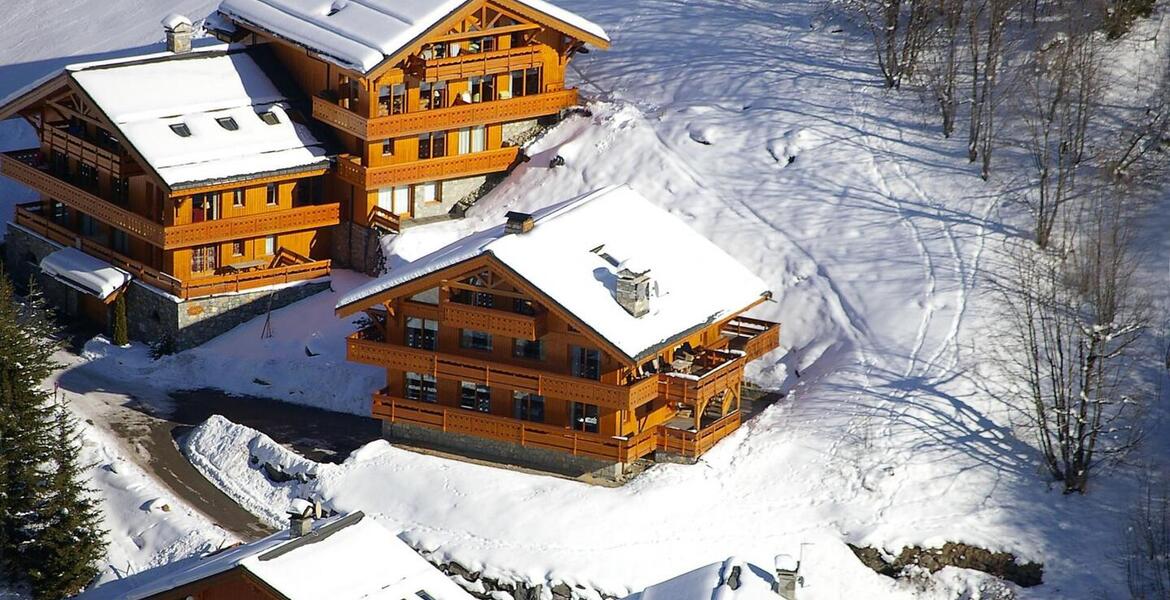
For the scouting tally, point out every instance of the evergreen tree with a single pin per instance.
(63, 556)
(121, 332)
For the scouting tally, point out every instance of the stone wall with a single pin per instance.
(518, 132)
(357, 248)
(151, 315)
(523, 456)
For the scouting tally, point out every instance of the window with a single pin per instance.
(432, 95)
(432, 145)
(273, 195)
(58, 212)
(391, 99)
(426, 192)
(483, 44)
(388, 147)
(204, 207)
(481, 299)
(526, 82)
(238, 248)
(228, 123)
(121, 189)
(521, 306)
(586, 363)
(528, 407)
(270, 245)
(422, 333)
(433, 51)
(204, 259)
(270, 117)
(89, 227)
(181, 129)
(59, 163)
(483, 89)
(421, 387)
(532, 350)
(585, 417)
(476, 340)
(475, 396)
(430, 296)
(238, 198)
(472, 139)
(87, 176)
(120, 242)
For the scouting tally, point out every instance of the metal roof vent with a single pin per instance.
(518, 222)
(633, 291)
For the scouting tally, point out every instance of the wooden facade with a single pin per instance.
(475, 350)
(437, 111)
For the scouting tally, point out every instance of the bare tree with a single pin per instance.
(941, 70)
(900, 30)
(1063, 95)
(1147, 556)
(986, 28)
(1073, 322)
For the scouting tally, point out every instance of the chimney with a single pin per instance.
(633, 291)
(300, 517)
(518, 222)
(788, 577)
(179, 33)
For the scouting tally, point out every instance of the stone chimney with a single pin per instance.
(788, 577)
(633, 291)
(300, 517)
(518, 222)
(179, 33)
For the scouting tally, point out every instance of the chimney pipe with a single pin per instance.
(179, 33)
(300, 517)
(518, 222)
(788, 577)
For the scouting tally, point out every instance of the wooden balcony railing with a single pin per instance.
(524, 433)
(12, 165)
(84, 150)
(575, 389)
(694, 443)
(754, 337)
(29, 217)
(443, 119)
(693, 389)
(255, 225)
(385, 220)
(481, 63)
(350, 169)
(491, 320)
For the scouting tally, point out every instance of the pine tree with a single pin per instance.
(26, 349)
(121, 332)
(63, 557)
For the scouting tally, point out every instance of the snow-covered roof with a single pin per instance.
(344, 558)
(576, 249)
(360, 34)
(731, 579)
(84, 272)
(149, 100)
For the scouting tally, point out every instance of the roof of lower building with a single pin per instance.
(575, 251)
(84, 272)
(201, 117)
(343, 558)
(361, 34)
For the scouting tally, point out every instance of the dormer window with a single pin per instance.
(228, 123)
(270, 117)
(181, 129)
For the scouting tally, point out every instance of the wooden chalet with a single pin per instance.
(602, 328)
(349, 557)
(230, 177)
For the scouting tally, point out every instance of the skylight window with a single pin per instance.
(270, 117)
(181, 129)
(228, 123)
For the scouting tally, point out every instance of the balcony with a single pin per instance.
(523, 433)
(753, 337)
(350, 169)
(26, 169)
(361, 349)
(692, 444)
(30, 217)
(711, 372)
(500, 322)
(105, 159)
(255, 225)
(480, 63)
(443, 119)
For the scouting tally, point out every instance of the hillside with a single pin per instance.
(763, 125)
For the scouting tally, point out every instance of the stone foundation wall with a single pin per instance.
(152, 316)
(518, 132)
(539, 458)
(357, 248)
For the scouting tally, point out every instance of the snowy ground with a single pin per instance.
(770, 134)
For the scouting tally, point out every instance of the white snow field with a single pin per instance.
(768, 131)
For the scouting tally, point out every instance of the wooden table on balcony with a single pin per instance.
(247, 265)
